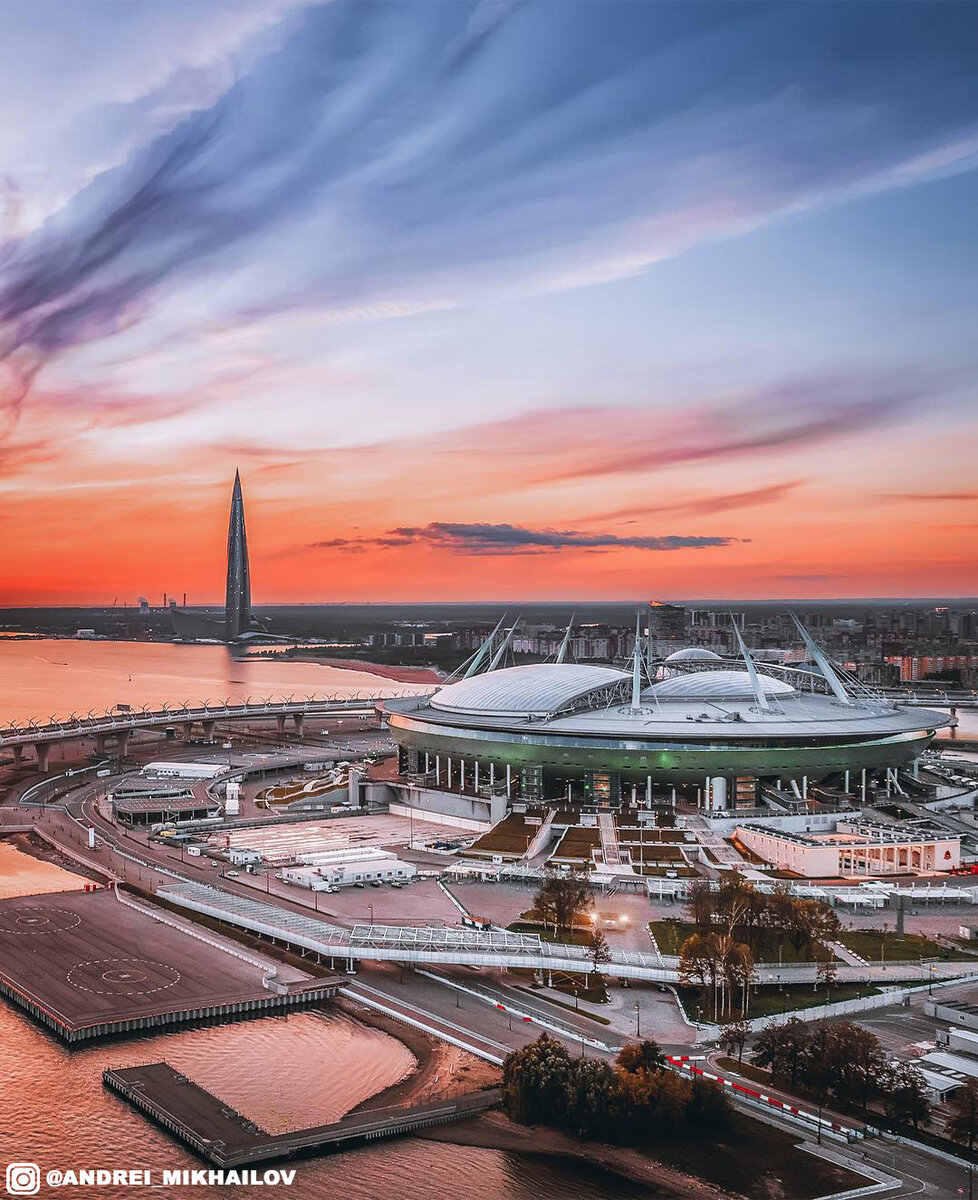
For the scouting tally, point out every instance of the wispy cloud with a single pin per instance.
(771, 493)
(372, 159)
(940, 497)
(480, 538)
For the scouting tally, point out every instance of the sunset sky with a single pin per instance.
(489, 300)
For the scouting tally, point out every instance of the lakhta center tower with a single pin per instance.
(237, 602)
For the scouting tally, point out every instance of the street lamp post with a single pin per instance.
(638, 1021)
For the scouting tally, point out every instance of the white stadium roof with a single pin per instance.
(540, 688)
(717, 685)
(693, 654)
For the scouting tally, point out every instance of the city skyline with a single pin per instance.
(685, 307)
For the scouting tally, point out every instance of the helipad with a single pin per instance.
(86, 965)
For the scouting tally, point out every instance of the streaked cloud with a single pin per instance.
(514, 539)
(371, 158)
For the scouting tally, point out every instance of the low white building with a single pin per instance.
(241, 856)
(347, 867)
(183, 770)
(854, 847)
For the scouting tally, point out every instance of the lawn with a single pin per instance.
(670, 935)
(765, 1001)
(895, 948)
(580, 935)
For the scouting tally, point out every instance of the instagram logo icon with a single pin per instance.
(23, 1179)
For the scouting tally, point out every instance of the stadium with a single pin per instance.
(694, 726)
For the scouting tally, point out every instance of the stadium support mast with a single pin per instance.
(483, 650)
(759, 694)
(497, 658)
(565, 644)
(834, 682)
(637, 664)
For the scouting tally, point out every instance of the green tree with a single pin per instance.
(598, 951)
(906, 1096)
(535, 1081)
(562, 899)
(591, 1099)
(709, 1109)
(782, 1048)
(733, 1039)
(962, 1123)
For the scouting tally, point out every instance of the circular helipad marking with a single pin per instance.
(123, 976)
(38, 920)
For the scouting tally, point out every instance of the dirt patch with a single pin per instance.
(37, 847)
(442, 1071)
(384, 670)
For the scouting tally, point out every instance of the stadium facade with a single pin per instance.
(708, 730)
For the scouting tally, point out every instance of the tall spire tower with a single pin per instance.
(237, 603)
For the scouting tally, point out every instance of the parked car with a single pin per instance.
(232, 874)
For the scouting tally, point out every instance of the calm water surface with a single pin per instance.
(283, 1072)
(42, 677)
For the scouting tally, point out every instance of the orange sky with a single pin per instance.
(93, 522)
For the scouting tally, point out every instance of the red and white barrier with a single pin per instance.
(683, 1062)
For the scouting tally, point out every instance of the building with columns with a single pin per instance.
(700, 730)
(853, 848)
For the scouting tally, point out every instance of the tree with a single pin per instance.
(738, 972)
(781, 1048)
(535, 1081)
(590, 1099)
(734, 902)
(811, 921)
(641, 1056)
(562, 898)
(962, 1124)
(734, 1038)
(825, 972)
(598, 951)
(906, 1096)
(699, 901)
(700, 962)
(709, 1108)
(857, 1056)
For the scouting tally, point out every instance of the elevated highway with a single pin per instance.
(117, 727)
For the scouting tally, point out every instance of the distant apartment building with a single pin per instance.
(914, 668)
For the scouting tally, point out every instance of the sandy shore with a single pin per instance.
(495, 1131)
(384, 670)
(442, 1071)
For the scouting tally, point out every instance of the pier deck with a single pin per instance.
(87, 966)
(227, 1139)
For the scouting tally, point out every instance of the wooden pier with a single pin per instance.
(225, 1138)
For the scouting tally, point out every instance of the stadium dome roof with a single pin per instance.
(717, 685)
(539, 688)
(693, 654)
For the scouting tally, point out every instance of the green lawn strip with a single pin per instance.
(670, 935)
(583, 1012)
(767, 1000)
(867, 943)
(578, 936)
